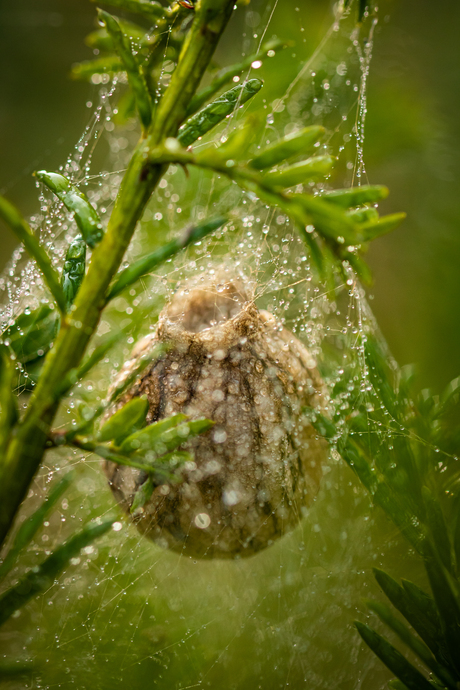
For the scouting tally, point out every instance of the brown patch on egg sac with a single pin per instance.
(259, 467)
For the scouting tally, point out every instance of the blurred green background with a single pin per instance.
(412, 144)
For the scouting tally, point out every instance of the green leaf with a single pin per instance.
(438, 528)
(30, 527)
(146, 438)
(31, 334)
(316, 254)
(353, 456)
(381, 374)
(393, 659)
(146, 359)
(77, 203)
(296, 144)
(15, 670)
(147, 8)
(376, 228)
(142, 495)
(382, 495)
(363, 215)
(406, 636)
(145, 265)
(11, 216)
(238, 144)
(175, 437)
(107, 64)
(133, 69)
(125, 421)
(356, 196)
(423, 603)
(164, 436)
(300, 173)
(401, 514)
(226, 75)
(359, 266)
(416, 614)
(446, 596)
(198, 125)
(329, 221)
(324, 426)
(102, 40)
(74, 270)
(8, 403)
(89, 362)
(43, 577)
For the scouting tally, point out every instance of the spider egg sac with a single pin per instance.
(260, 466)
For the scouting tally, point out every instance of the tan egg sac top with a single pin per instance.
(258, 468)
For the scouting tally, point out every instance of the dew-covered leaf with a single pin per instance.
(438, 528)
(126, 421)
(74, 270)
(296, 144)
(364, 214)
(356, 196)
(372, 229)
(32, 333)
(107, 64)
(8, 402)
(300, 173)
(11, 216)
(143, 266)
(147, 8)
(201, 123)
(133, 69)
(76, 202)
(146, 438)
(102, 40)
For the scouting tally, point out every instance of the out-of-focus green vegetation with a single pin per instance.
(412, 142)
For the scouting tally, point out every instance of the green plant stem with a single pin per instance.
(27, 445)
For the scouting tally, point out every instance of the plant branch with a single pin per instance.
(26, 448)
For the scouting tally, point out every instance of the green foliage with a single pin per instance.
(125, 421)
(8, 403)
(75, 201)
(198, 125)
(74, 270)
(288, 147)
(30, 527)
(336, 227)
(147, 263)
(149, 9)
(42, 578)
(133, 69)
(406, 478)
(29, 338)
(11, 216)
(225, 75)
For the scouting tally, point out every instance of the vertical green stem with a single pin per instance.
(27, 445)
